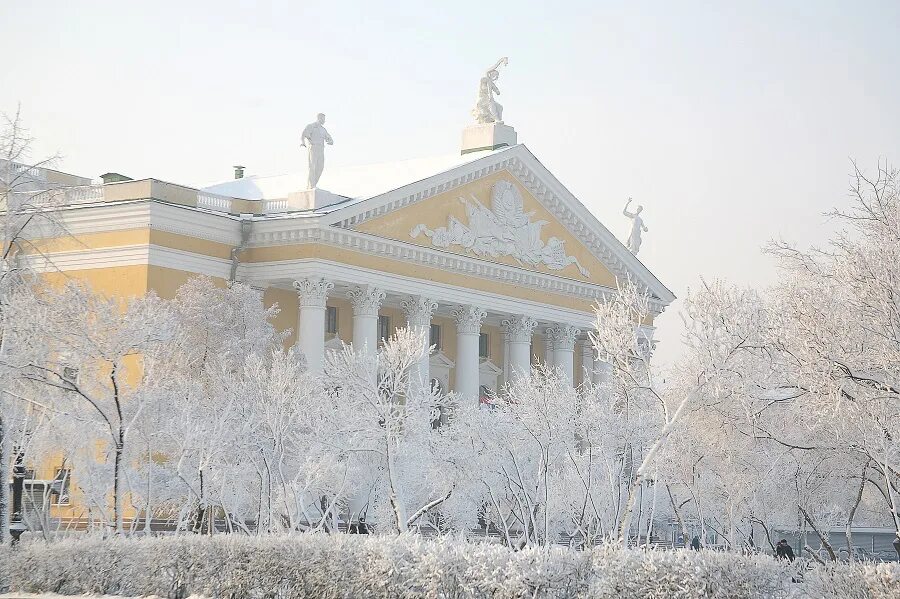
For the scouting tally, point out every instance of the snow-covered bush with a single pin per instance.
(320, 565)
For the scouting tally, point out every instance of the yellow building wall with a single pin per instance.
(190, 244)
(288, 306)
(538, 349)
(166, 281)
(123, 281)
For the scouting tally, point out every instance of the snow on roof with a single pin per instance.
(355, 182)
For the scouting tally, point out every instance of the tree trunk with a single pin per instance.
(117, 487)
(625, 521)
(822, 537)
(393, 491)
(677, 510)
(891, 498)
(765, 530)
(4, 485)
(148, 512)
(849, 529)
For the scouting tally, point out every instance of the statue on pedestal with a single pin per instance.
(487, 109)
(637, 227)
(314, 138)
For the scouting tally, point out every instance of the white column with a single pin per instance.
(563, 336)
(365, 300)
(602, 372)
(418, 311)
(505, 337)
(587, 361)
(468, 327)
(312, 294)
(518, 334)
(549, 354)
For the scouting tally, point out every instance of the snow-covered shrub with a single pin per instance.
(857, 581)
(320, 565)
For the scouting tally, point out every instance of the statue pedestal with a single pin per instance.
(310, 199)
(488, 136)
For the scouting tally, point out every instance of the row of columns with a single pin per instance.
(367, 299)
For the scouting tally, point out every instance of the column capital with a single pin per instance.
(313, 292)
(468, 318)
(418, 309)
(562, 336)
(366, 300)
(519, 328)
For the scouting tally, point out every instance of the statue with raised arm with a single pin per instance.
(637, 227)
(314, 138)
(487, 109)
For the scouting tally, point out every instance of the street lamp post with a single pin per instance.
(17, 523)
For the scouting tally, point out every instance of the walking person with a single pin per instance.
(695, 543)
(784, 551)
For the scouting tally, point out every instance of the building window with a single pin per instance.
(384, 328)
(435, 339)
(484, 346)
(331, 320)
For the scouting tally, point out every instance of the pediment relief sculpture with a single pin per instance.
(504, 229)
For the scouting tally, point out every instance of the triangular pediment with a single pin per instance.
(505, 208)
(440, 360)
(487, 367)
(494, 218)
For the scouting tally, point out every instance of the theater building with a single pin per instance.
(485, 250)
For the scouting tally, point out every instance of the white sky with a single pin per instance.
(731, 124)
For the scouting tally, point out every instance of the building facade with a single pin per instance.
(486, 252)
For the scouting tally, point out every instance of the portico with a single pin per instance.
(492, 261)
(463, 322)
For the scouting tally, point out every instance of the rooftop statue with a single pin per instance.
(637, 227)
(316, 136)
(487, 109)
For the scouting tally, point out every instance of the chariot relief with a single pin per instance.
(504, 229)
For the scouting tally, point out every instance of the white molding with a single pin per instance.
(372, 245)
(195, 223)
(285, 271)
(142, 214)
(101, 218)
(189, 262)
(131, 255)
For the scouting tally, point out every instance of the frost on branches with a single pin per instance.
(190, 414)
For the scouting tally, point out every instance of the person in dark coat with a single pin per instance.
(896, 545)
(783, 550)
(695, 543)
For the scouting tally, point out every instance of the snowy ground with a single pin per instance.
(55, 596)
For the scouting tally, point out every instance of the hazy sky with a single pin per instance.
(731, 124)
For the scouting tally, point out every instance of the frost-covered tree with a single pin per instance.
(87, 352)
(548, 462)
(389, 434)
(839, 327)
(26, 202)
(195, 422)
